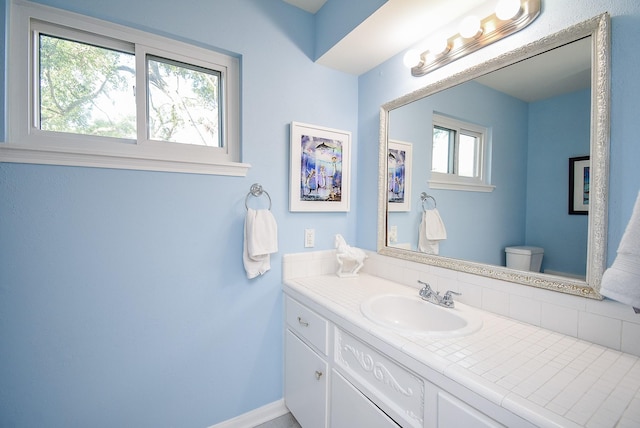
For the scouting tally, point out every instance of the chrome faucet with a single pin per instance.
(426, 293)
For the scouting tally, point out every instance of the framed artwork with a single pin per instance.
(399, 159)
(579, 185)
(320, 168)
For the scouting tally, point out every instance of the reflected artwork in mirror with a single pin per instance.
(519, 118)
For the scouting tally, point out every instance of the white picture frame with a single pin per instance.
(320, 173)
(399, 159)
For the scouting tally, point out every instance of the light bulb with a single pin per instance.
(470, 27)
(411, 58)
(438, 45)
(507, 9)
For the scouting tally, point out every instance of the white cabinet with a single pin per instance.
(350, 408)
(394, 388)
(453, 413)
(317, 396)
(306, 370)
(307, 324)
(305, 388)
(354, 384)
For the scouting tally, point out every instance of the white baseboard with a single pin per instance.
(255, 417)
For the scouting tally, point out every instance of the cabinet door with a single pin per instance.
(305, 383)
(350, 408)
(453, 413)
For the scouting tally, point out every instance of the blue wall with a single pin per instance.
(501, 213)
(123, 299)
(337, 18)
(529, 151)
(558, 130)
(392, 79)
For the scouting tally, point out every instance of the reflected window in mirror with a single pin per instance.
(459, 150)
(518, 96)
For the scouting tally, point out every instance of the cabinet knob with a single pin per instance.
(318, 375)
(303, 323)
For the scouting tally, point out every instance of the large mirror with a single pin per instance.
(504, 160)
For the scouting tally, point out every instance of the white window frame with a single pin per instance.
(439, 180)
(26, 143)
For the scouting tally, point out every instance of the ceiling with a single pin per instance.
(311, 6)
(393, 28)
(559, 71)
(400, 24)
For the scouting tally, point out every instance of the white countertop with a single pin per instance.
(542, 376)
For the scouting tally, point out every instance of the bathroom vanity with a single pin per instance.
(342, 369)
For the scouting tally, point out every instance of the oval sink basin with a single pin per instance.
(412, 315)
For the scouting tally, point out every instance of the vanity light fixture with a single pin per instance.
(470, 27)
(510, 16)
(507, 9)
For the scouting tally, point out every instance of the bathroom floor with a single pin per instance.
(285, 421)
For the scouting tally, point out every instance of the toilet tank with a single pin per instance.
(524, 258)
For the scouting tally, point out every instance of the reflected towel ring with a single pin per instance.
(256, 190)
(424, 197)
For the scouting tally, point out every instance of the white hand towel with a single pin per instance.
(260, 240)
(428, 247)
(431, 232)
(434, 226)
(621, 281)
(263, 233)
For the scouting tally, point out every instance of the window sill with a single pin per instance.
(458, 185)
(20, 153)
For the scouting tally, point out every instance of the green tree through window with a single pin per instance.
(183, 103)
(86, 89)
(92, 93)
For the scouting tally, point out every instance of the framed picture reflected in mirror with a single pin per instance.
(579, 185)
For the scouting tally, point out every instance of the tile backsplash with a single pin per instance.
(605, 322)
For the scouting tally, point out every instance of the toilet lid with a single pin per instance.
(524, 249)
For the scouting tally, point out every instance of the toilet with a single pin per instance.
(524, 258)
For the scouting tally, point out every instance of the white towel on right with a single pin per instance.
(621, 281)
(431, 232)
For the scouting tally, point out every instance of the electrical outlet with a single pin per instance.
(309, 238)
(393, 234)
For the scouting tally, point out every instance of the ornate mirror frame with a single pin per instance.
(599, 29)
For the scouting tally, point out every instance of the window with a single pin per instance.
(91, 93)
(183, 103)
(84, 89)
(459, 155)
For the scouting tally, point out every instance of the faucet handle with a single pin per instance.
(425, 290)
(426, 285)
(447, 299)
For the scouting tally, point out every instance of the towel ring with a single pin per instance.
(424, 197)
(257, 191)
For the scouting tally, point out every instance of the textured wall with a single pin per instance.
(123, 299)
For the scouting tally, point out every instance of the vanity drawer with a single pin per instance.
(389, 384)
(309, 325)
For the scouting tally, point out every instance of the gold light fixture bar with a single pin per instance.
(491, 30)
